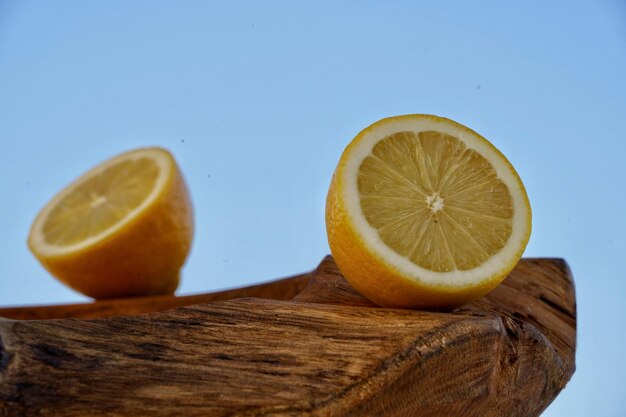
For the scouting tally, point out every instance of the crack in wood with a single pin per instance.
(5, 358)
(558, 307)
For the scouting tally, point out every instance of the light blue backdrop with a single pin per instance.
(258, 99)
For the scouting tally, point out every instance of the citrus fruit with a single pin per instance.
(423, 212)
(122, 229)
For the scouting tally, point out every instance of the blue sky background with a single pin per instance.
(257, 100)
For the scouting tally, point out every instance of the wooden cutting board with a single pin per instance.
(302, 346)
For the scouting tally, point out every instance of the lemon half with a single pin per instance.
(122, 229)
(424, 212)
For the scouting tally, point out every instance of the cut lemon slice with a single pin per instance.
(424, 212)
(122, 229)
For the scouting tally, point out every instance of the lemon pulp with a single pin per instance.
(435, 201)
(100, 202)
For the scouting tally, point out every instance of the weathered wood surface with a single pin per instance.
(326, 352)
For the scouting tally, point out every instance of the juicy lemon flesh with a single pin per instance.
(100, 202)
(434, 201)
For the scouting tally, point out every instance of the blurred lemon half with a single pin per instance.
(122, 229)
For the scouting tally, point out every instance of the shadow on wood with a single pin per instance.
(311, 346)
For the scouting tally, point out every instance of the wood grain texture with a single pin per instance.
(325, 352)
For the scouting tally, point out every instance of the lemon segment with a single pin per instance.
(424, 212)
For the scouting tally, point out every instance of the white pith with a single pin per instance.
(160, 157)
(499, 262)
